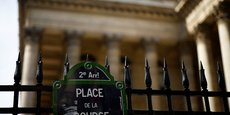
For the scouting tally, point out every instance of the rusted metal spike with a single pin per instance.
(148, 80)
(221, 80)
(203, 80)
(185, 80)
(17, 73)
(107, 66)
(127, 74)
(166, 76)
(39, 70)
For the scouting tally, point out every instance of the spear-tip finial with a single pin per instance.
(202, 76)
(87, 57)
(166, 76)
(66, 59)
(148, 80)
(201, 65)
(146, 63)
(19, 56)
(39, 70)
(185, 81)
(17, 73)
(165, 63)
(126, 61)
(221, 80)
(107, 63)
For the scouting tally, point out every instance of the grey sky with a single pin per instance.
(9, 46)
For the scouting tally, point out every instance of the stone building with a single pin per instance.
(188, 30)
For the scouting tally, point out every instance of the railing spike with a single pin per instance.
(148, 80)
(87, 57)
(203, 80)
(185, 80)
(66, 65)
(201, 65)
(183, 66)
(166, 76)
(126, 61)
(203, 83)
(19, 56)
(127, 74)
(107, 66)
(221, 80)
(165, 63)
(17, 73)
(39, 70)
(67, 59)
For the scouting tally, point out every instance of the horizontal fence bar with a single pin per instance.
(25, 88)
(25, 110)
(143, 112)
(180, 93)
(9, 88)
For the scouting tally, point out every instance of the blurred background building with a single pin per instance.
(188, 30)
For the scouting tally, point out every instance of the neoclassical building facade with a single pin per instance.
(188, 30)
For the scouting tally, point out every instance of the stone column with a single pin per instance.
(73, 46)
(204, 54)
(186, 53)
(223, 24)
(113, 53)
(30, 58)
(151, 54)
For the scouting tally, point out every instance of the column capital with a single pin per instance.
(72, 34)
(149, 43)
(185, 46)
(202, 30)
(112, 37)
(221, 11)
(33, 34)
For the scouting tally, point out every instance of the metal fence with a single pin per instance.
(148, 92)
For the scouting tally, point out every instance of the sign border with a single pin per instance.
(67, 81)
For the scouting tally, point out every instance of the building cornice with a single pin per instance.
(112, 8)
(185, 7)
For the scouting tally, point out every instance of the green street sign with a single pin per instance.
(89, 89)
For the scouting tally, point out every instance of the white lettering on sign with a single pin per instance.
(89, 75)
(82, 74)
(87, 113)
(90, 92)
(90, 105)
(93, 75)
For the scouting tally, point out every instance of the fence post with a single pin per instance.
(66, 66)
(221, 82)
(128, 86)
(185, 83)
(148, 83)
(39, 84)
(167, 87)
(17, 79)
(203, 83)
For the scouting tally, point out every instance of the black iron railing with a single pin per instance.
(148, 92)
(17, 87)
(168, 92)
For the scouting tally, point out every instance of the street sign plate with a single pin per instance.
(89, 89)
